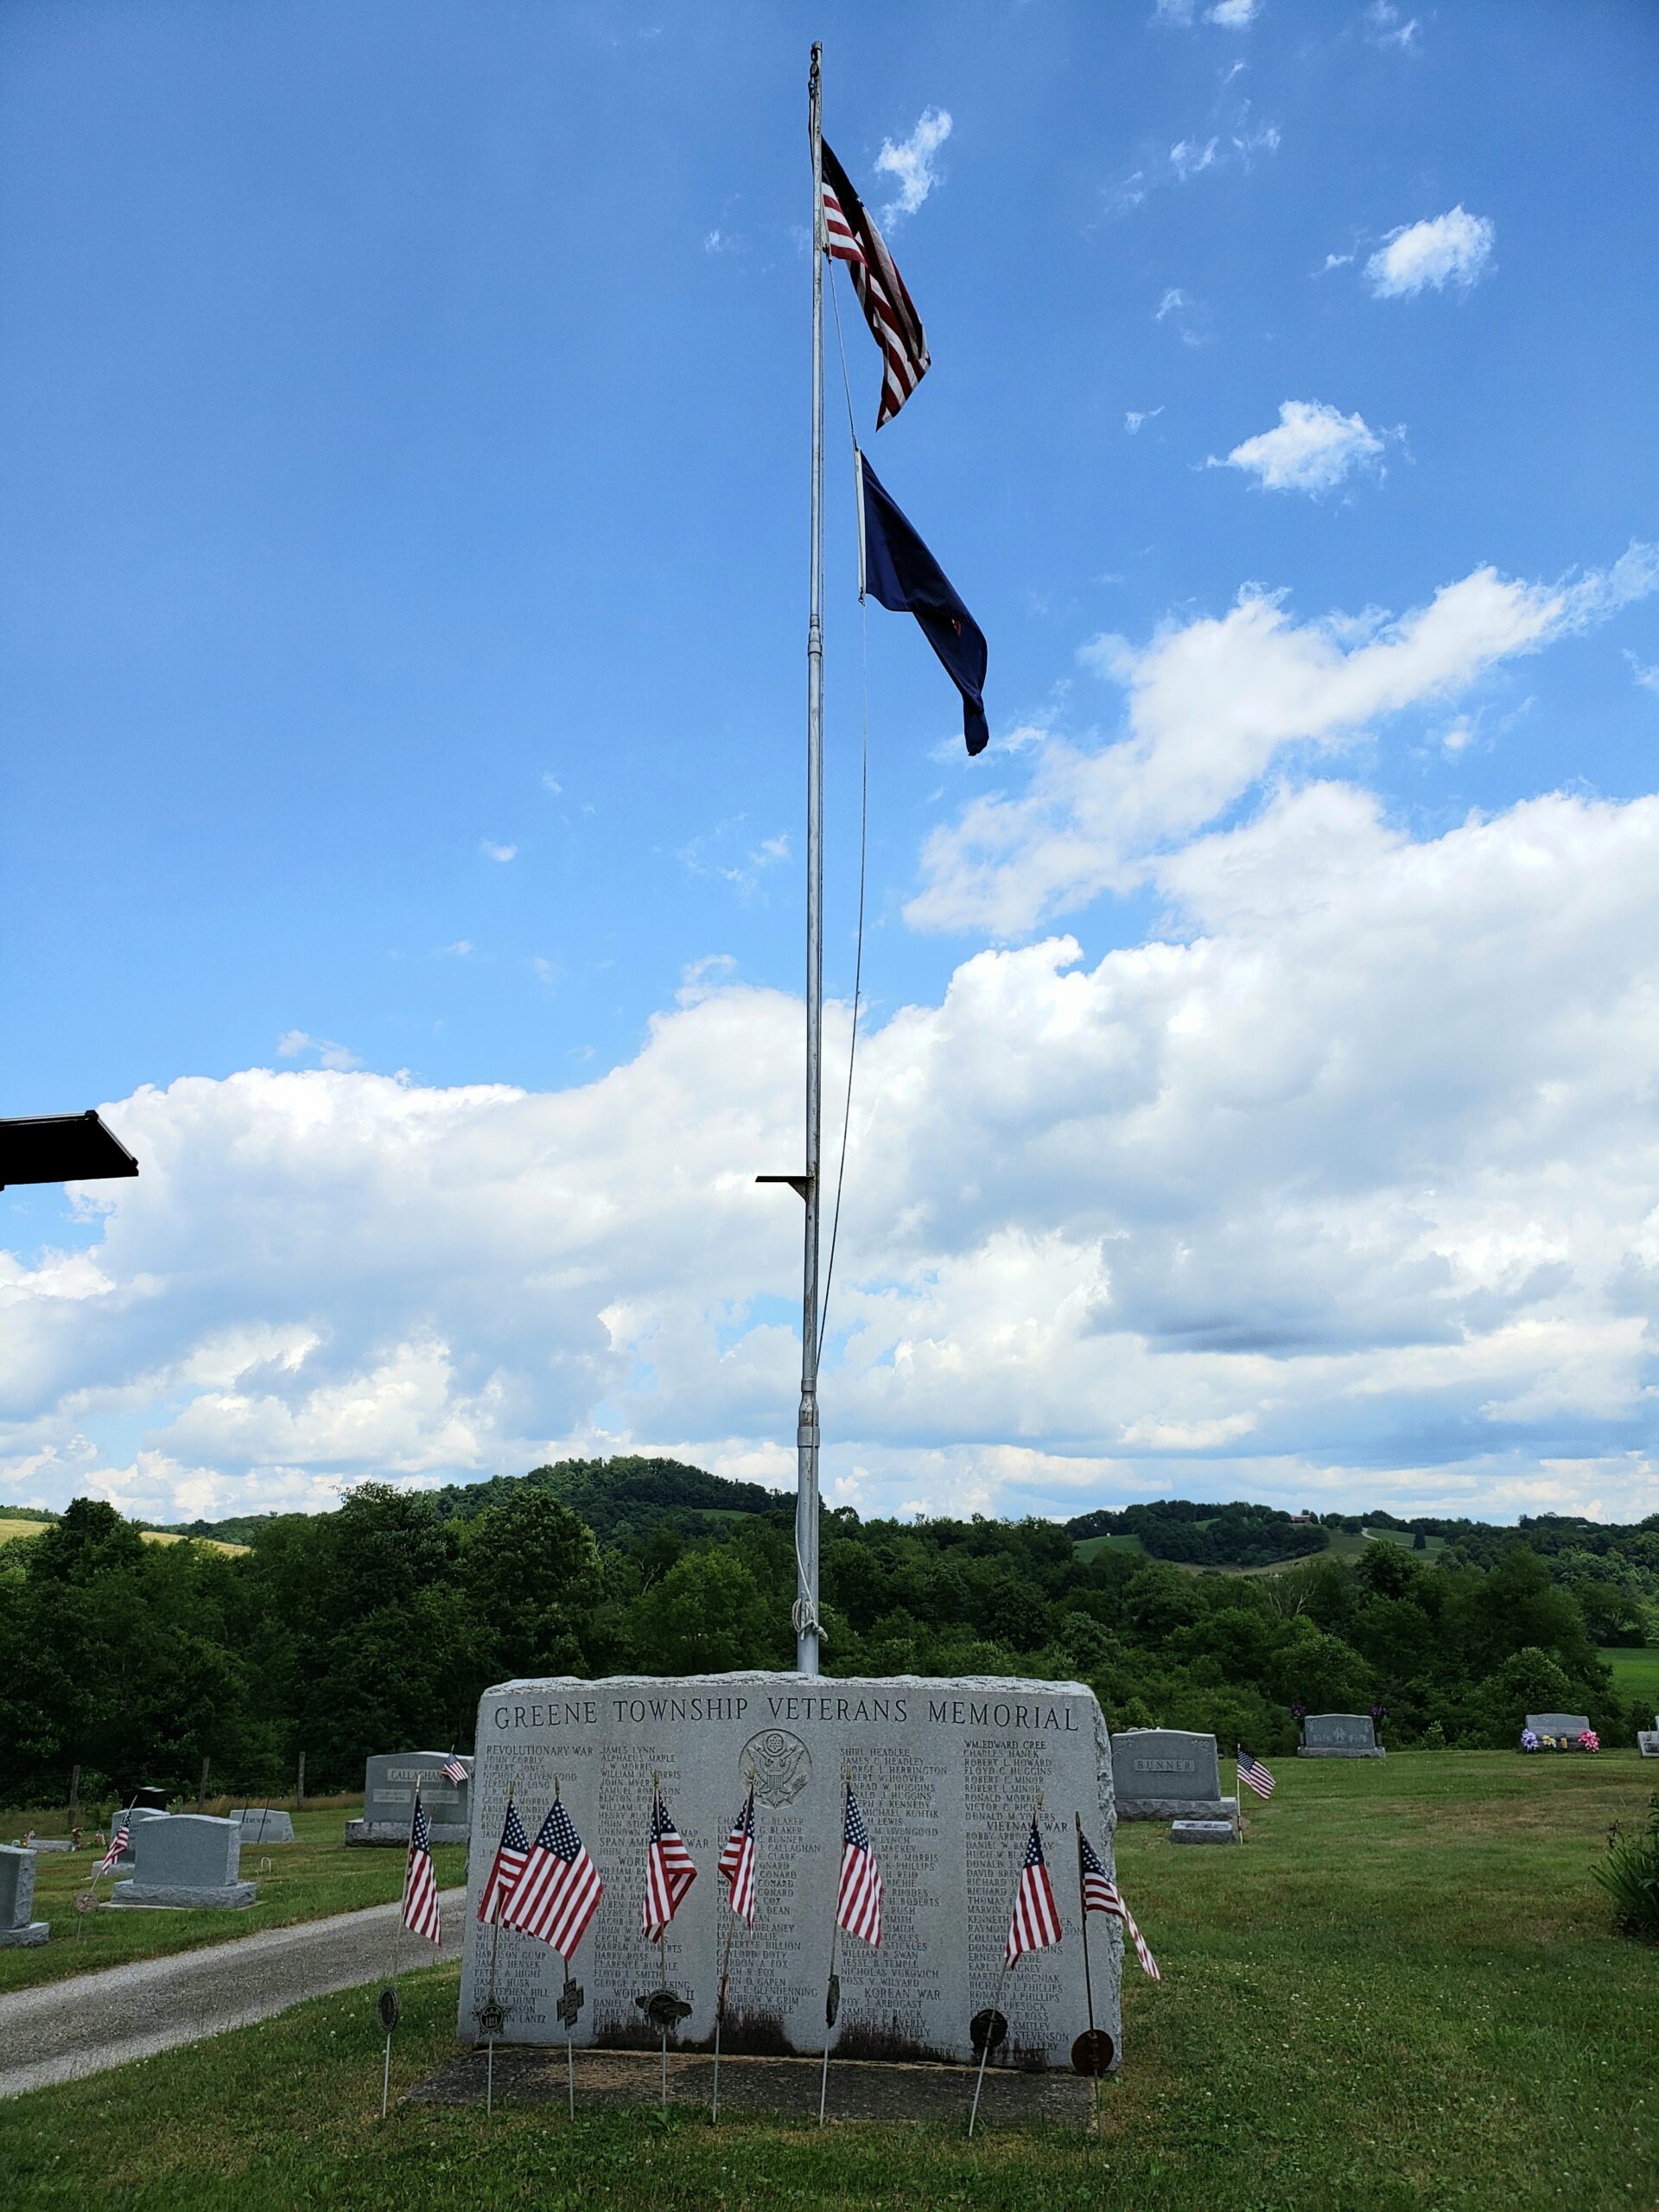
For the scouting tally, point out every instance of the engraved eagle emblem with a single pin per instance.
(781, 1762)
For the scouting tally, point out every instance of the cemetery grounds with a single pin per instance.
(307, 1879)
(1403, 1990)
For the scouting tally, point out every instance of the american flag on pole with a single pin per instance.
(1100, 1894)
(1254, 1775)
(453, 1770)
(420, 1883)
(736, 1867)
(850, 235)
(108, 1863)
(669, 1871)
(559, 1891)
(858, 1902)
(1034, 1923)
(506, 1867)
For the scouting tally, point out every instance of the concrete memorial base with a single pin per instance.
(859, 2089)
(946, 1773)
(1180, 1808)
(1202, 1832)
(1338, 1751)
(175, 1897)
(31, 1932)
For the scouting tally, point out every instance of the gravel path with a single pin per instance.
(67, 2028)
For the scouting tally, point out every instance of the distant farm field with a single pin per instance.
(11, 1528)
(1404, 1991)
(1636, 1674)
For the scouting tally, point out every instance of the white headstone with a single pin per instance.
(945, 1772)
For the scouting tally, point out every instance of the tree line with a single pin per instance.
(377, 1627)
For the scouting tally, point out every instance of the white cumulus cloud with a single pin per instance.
(1313, 447)
(1212, 704)
(1343, 1186)
(910, 162)
(1455, 249)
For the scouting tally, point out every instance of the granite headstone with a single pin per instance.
(1569, 1725)
(1647, 1742)
(1202, 1832)
(1169, 1774)
(262, 1824)
(190, 1860)
(18, 1899)
(1339, 1735)
(132, 1818)
(946, 1774)
(390, 1781)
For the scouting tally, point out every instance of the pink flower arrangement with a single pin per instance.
(1589, 1741)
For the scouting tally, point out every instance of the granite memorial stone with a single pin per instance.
(1570, 1725)
(1202, 1832)
(1647, 1742)
(1339, 1735)
(190, 1860)
(132, 1817)
(946, 1773)
(18, 1899)
(1169, 1774)
(262, 1824)
(389, 1785)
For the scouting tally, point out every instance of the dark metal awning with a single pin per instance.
(62, 1148)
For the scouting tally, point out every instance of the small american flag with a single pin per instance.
(669, 1871)
(737, 1862)
(858, 1902)
(1035, 1921)
(1254, 1775)
(420, 1883)
(506, 1867)
(107, 1864)
(850, 235)
(559, 1891)
(1100, 1894)
(453, 1770)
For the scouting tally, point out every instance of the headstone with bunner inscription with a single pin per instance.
(18, 1899)
(389, 1782)
(946, 1774)
(1169, 1774)
(1339, 1735)
(190, 1862)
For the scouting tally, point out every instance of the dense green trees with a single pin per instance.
(376, 1627)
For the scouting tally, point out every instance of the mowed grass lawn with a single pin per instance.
(1402, 1992)
(313, 1876)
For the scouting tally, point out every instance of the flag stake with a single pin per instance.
(1082, 1909)
(985, 2049)
(720, 2008)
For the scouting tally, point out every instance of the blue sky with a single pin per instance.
(402, 489)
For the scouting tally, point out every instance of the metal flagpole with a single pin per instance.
(985, 2047)
(719, 2004)
(806, 1610)
(403, 1905)
(806, 1434)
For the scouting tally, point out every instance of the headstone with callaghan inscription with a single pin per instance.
(389, 1782)
(1169, 1774)
(946, 1774)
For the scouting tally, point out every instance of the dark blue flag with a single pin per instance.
(904, 575)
